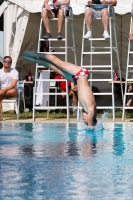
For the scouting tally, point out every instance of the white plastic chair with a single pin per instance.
(14, 102)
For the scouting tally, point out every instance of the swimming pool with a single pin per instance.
(65, 161)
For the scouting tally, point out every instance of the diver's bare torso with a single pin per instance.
(85, 95)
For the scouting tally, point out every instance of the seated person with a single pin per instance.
(91, 14)
(8, 81)
(72, 92)
(130, 99)
(52, 9)
(131, 33)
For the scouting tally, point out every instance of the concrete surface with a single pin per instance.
(59, 120)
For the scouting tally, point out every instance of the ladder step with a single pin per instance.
(52, 39)
(129, 80)
(103, 93)
(130, 107)
(96, 66)
(100, 80)
(129, 93)
(55, 19)
(130, 52)
(49, 107)
(50, 93)
(100, 47)
(130, 66)
(99, 70)
(104, 107)
(40, 66)
(101, 107)
(96, 39)
(117, 82)
(50, 80)
(71, 47)
(103, 52)
(52, 52)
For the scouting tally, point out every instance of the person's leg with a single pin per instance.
(129, 102)
(60, 19)
(62, 101)
(48, 65)
(105, 18)
(130, 36)
(88, 21)
(88, 18)
(131, 33)
(52, 62)
(74, 97)
(11, 93)
(105, 21)
(63, 97)
(45, 18)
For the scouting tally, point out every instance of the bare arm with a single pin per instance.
(91, 114)
(66, 2)
(112, 2)
(46, 5)
(90, 2)
(45, 2)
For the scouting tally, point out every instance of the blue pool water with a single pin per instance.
(66, 162)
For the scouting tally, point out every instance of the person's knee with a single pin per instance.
(44, 14)
(104, 13)
(12, 92)
(63, 95)
(88, 12)
(71, 93)
(61, 13)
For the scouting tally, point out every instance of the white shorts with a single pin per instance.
(96, 13)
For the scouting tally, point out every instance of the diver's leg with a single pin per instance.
(48, 65)
(63, 66)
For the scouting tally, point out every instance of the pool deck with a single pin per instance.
(59, 120)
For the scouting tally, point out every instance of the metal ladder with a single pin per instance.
(129, 70)
(104, 69)
(63, 50)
